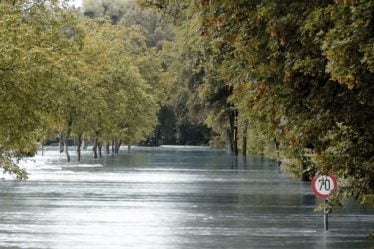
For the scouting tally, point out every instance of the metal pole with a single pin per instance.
(325, 216)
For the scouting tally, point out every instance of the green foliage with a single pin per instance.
(151, 46)
(9, 167)
(123, 95)
(62, 73)
(168, 122)
(299, 72)
(30, 53)
(128, 14)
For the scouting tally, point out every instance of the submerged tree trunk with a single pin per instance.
(245, 137)
(67, 150)
(118, 146)
(67, 136)
(236, 150)
(113, 146)
(230, 140)
(233, 131)
(100, 147)
(276, 143)
(61, 142)
(107, 148)
(233, 116)
(67, 144)
(157, 136)
(94, 148)
(79, 145)
(85, 144)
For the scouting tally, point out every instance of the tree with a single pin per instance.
(127, 107)
(300, 73)
(29, 56)
(144, 39)
(62, 73)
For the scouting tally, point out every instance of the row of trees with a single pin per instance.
(292, 80)
(295, 76)
(176, 125)
(62, 73)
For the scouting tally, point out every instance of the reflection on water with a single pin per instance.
(169, 197)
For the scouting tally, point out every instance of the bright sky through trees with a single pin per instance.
(76, 3)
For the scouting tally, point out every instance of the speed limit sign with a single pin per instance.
(323, 186)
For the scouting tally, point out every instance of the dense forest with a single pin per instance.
(290, 80)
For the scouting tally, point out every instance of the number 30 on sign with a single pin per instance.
(323, 186)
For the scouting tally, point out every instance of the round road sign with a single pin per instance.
(324, 186)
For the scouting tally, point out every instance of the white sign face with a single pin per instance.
(324, 186)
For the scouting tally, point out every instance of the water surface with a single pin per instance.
(169, 197)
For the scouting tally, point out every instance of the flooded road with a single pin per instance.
(169, 197)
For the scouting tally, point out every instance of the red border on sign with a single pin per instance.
(318, 194)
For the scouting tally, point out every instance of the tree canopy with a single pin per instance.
(62, 73)
(292, 80)
(299, 73)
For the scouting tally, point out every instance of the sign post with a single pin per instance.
(325, 216)
(323, 186)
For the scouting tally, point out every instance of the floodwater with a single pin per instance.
(169, 197)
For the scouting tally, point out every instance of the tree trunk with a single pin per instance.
(85, 144)
(236, 151)
(94, 148)
(244, 142)
(107, 148)
(233, 131)
(233, 116)
(66, 147)
(79, 145)
(61, 143)
(128, 148)
(113, 146)
(276, 143)
(118, 146)
(230, 140)
(42, 148)
(157, 136)
(67, 137)
(100, 147)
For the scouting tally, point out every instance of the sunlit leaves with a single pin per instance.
(62, 73)
(28, 57)
(308, 61)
